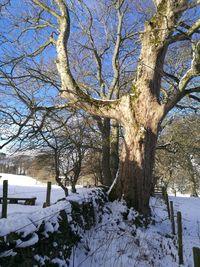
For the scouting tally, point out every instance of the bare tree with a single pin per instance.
(67, 138)
(140, 111)
(178, 164)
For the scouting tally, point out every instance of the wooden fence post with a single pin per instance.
(166, 199)
(167, 203)
(48, 195)
(5, 199)
(196, 256)
(172, 217)
(180, 238)
(163, 192)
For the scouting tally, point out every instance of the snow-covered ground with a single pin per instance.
(190, 210)
(20, 215)
(25, 186)
(118, 243)
(113, 242)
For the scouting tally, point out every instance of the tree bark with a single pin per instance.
(194, 189)
(106, 172)
(134, 180)
(57, 173)
(110, 143)
(194, 184)
(104, 127)
(136, 166)
(114, 147)
(76, 170)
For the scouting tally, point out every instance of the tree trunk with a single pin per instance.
(73, 186)
(136, 167)
(76, 171)
(104, 127)
(134, 180)
(110, 156)
(57, 173)
(58, 180)
(194, 185)
(114, 155)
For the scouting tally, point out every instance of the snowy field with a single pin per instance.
(113, 242)
(25, 186)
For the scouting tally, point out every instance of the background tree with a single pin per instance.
(42, 166)
(178, 165)
(67, 137)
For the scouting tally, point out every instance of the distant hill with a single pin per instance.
(18, 179)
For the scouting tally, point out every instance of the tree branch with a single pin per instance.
(194, 97)
(69, 88)
(187, 6)
(97, 56)
(115, 57)
(192, 90)
(187, 107)
(194, 71)
(186, 26)
(185, 35)
(46, 8)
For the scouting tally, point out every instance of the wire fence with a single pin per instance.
(6, 253)
(34, 222)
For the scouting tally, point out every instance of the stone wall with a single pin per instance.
(53, 239)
